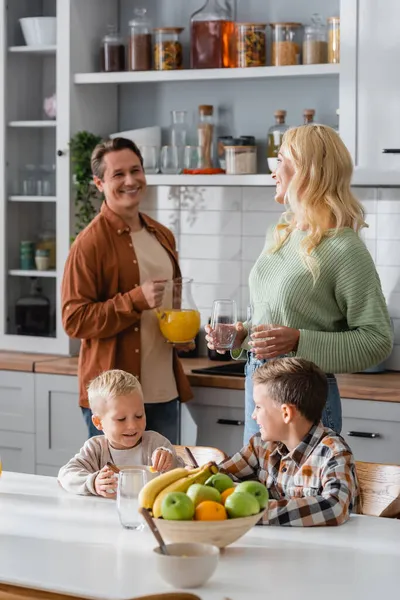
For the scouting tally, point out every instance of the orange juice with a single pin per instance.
(179, 326)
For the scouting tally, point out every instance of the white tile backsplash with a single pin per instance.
(393, 302)
(211, 271)
(389, 207)
(260, 199)
(227, 247)
(205, 294)
(388, 253)
(369, 233)
(212, 223)
(257, 224)
(388, 226)
(390, 279)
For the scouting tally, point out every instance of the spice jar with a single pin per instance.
(274, 139)
(140, 42)
(168, 54)
(308, 116)
(251, 45)
(334, 40)
(285, 44)
(315, 46)
(205, 134)
(112, 55)
(241, 158)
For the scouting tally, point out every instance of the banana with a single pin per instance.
(150, 491)
(183, 484)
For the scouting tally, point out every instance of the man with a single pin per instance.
(114, 276)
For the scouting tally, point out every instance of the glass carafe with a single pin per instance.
(179, 133)
(274, 140)
(212, 34)
(178, 316)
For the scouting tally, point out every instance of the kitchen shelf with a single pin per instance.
(33, 273)
(208, 74)
(210, 180)
(44, 123)
(44, 50)
(32, 198)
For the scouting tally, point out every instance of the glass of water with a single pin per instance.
(130, 482)
(259, 318)
(223, 324)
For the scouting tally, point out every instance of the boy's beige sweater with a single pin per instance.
(78, 475)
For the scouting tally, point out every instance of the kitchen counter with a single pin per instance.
(375, 386)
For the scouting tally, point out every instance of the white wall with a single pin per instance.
(220, 233)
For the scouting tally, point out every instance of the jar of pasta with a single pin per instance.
(168, 54)
(286, 44)
(314, 42)
(251, 45)
(334, 40)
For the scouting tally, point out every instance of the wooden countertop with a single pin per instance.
(375, 386)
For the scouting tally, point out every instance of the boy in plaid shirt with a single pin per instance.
(308, 469)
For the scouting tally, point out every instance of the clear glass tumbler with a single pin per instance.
(170, 160)
(193, 157)
(130, 482)
(150, 155)
(223, 323)
(259, 318)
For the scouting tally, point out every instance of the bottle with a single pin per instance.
(212, 37)
(112, 55)
(315, 46)
(140, 41)
(334, 40)
(308, 116)
(179, 133)
(205, 134)
(274, 140)
(32, 312)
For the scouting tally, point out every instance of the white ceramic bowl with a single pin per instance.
(147, 136)
(39, 31)
(187, 565)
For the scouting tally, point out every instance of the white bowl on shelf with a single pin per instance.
(147, 136)
(39, 31)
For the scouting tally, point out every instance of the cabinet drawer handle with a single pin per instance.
(391, 151)
(363, 434)
(229, 422)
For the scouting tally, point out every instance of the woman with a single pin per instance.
(316, 276)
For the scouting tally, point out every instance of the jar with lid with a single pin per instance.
(32, 312)
(168, 53)
(205, 134)
(334, 40)
(241, 158)
(251, 44)
(285, 48)
(212, 37)
(308, 116)
(274, 139)
(42, 259)
(47, 241)
(315, 46)
(140, 41)
(112, 53)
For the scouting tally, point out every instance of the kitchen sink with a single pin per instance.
(235, 369)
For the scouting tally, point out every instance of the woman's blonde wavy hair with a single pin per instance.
(319, 190)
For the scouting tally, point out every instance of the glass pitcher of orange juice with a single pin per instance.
(178, 316)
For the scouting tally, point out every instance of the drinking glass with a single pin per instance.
(223, 323)
(193, 157)
(170, 160)
(150, 155)
(259, 314)
(130, 482)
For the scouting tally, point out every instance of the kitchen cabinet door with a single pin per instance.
(378, 85)
(17, 451)
(60, 428)
(17, 401)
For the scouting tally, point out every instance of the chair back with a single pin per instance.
(380, 489)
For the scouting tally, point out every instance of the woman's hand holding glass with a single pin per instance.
(240, 336)
(281, 340)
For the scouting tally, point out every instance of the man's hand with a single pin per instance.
(153, 292)
(106, 483)
(162, 460)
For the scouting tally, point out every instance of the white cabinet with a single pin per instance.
(17, 401)
(60, 428)
(17, 451)
(372, 430)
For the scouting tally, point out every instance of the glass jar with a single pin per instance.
(47, 241)
(251, 45)
(334, 40)
(274, 139)
(178, 317)
(241, 158)
(308, 116)
(212, 37)
(140, 41)
(223, 140)
(285, 48)
(179, 133)
(315, 46)
(112, 53)
(42, 259)
(205, 134)
(26, 255)
(168, 54)
(32, 313)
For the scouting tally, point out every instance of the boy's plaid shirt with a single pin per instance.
(315, 484)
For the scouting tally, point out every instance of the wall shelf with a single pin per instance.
(32, 198)
(33, 273)
(210, 180)
(44, 50)
(44, 123)
(208, 74)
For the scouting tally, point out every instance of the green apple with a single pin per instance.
(257, 489)
(177, 506)
(198, 492)
(241, 504)
(220, 482)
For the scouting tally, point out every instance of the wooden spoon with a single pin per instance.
(191, 457)
(113, 468)
(154, 529)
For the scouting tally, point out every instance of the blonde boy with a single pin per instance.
(116, 401)
(309, 470)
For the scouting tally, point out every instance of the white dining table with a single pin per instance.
(52, 540)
